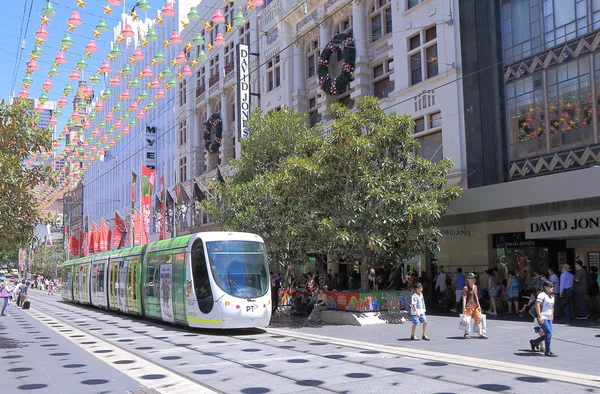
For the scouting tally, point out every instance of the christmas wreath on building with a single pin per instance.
(212, 140)
(343, 43)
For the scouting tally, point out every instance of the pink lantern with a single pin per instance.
(42, 32)
(24, 93)
(219, 39)
(104, 138)
(67, 149)
(115, 3)
(141, 115)
(147, 73)
(74, 76)
(66, 131)
(155, 84)
(112, 142)
(175, 38)
(125, 95)
(105, 67)
(168, 10)
(109, 117)
(101, 152)
(40, 108)
(76, 115)
(218, 16)
(137, 54)
(187, 71)
(52, 121)
(91, 46)
(86, 124)
(181, 58)
(257, 3)
(128, 31)
(99, 106)
(115, 81)
(133, 107)
(95, 133)
(47, 85)
(117, 125)
(62, 102)
(75, 19)
(160, 94)
(56, 144)
(60, 58)
(87, 91)
(125, 130)
(92, 159)
(32, 66)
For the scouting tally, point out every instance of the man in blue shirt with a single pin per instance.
(460, 284)
(566, 290)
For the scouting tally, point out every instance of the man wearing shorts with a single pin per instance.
(471, 306)
(460, 284)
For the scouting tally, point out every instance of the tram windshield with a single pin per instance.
(239, 267)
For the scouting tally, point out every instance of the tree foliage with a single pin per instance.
(46, 260)
(360, 192)
(19, 137)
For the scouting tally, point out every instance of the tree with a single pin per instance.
(46, 260)
(19, 137)
(360, 192)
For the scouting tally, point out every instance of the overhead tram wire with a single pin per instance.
(21, 44)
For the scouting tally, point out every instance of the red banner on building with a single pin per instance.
(95, 238)
(163, 209)
(137, 222)
(148, 179)
(85, 237)
(118, 231)
(74, 246)
(104, 240)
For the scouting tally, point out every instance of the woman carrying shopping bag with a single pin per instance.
(4, 295)
(544, 307)
(471, 306)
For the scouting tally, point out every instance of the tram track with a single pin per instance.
(239, 338)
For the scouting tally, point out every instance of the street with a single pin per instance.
(57, 347)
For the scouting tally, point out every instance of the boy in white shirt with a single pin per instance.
(417, 312)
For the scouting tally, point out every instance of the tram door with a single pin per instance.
(132, 285)
(114, 284)
(123, 286)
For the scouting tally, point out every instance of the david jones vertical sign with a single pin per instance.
(243, 96)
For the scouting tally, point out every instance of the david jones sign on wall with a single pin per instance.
(560, 226)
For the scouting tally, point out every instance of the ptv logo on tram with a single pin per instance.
(251, 308)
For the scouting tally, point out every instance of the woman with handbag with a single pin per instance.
(544, 313)
(4, 295)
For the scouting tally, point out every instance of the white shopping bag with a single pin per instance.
(475, 328)
(463, 324)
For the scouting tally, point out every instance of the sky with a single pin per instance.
(23, 16)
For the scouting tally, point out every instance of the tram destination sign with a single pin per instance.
(579, 224)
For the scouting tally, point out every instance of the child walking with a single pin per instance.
(417, 311)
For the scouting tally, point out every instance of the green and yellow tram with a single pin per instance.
(208, 280)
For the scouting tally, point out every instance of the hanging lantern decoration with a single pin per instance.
(187, 71)
(82, 63)
(95, 79)
(172, 83)
(86, 124)
(67, 89)
(117, 125)
(144, 95)
(60, 58)
(218, 16)
(155, 84)
(133, 122)
(115, 3)
(99, 106)
(106, 93)
(151, 35)
(75, 115)
(48, 10)
(115, 81)
(180, 59)
(39, 109)
(47, 85)
(219, 39)
(116, 51)
(167, 72)
(133, 107)
(257, 3)
(147, 72)
(53, 72)
(82, 104)
(66, 131)
(67, 41)
(92, 116)
(117, 106)
(109, 117)
(137, 54)
(135, 83)
(95, 133)
(126, 69)
(75, 19)
(102, 27)
(239, 19)
(52, 121)
(101, 125)
(91, 46)
(88, 91)
(37, 50)
(42, 32)
(128, 31)
(141, 115)
(125, 95)
(143, 5)
(175, 38)
(160, 94)
(168, 9)
(125, 130)
(202, 56)
(62, 102)
(159, 57)
(198, 39)
(56, 144)
(43, 97)
(150, 104)
(193, 14)
(74, 76)
(32, 66)
(104, 138)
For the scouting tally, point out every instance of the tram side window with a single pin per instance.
(201, 280)
(153, 278)
(100, 278)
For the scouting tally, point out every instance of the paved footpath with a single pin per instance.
(276, 360)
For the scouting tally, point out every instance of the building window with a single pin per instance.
(312, 56)
(423, 50)
(245, 34)
(183, 169)
(381, 19)
(428, 131)
(228, 12)
(382, 86)
(412, 3)
(313, 114)
(200, 81)
(182, 91)
(564, 20)
(229, 59)
(273, 73)
(214, 71)
(182, 134)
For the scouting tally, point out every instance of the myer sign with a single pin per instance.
(243, 96)
(561, 226)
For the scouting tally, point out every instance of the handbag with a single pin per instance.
(533, 311)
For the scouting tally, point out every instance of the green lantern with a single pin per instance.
(53, 72)
(82, 104)
(160, 57)
(126, 69)
(239, 19)
(57, 112)
(125, 116)
(118, 137)
(68, 89)
(102, 125)
(133, 122)
(143, 5)
(151, 104)
(135, 83)
(37, 50)
(102, 27)
(106, 93)
(167, 72)
(43, 97)
(82, 63)
(151, 35)
(95, 79)
(70, 124)
(67, 40)
(193, 14)
(48, 10)
(116, 51)
(144, 95)
(117, 106)
(27, 79)
(198, 39)
(173, 83)
(202, 57)
(93, 116)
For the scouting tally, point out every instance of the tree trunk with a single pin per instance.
(364, 274)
